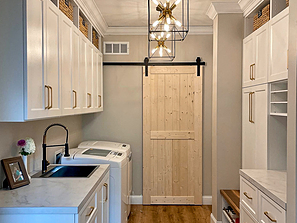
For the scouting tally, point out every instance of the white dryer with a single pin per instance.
(118, 160)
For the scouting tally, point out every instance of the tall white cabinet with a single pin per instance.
(254, 127)
(49, 67)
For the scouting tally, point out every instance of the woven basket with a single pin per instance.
(95, 38)
(67, 8)
(287, 3)
(83, 26)
(262, 17)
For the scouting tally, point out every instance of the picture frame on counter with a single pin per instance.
(15, 172)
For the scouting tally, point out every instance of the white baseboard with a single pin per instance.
(213, 219)
(137, 199)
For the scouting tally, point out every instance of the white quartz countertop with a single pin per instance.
(51, 195)
(270, 182)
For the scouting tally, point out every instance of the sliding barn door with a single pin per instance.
(172, 136)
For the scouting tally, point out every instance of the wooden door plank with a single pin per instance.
(169, 135)
(198, 137)
(183, 150)
(161, 126)
(176, 168)
(146, 140)
(172, 200)
(168, 127)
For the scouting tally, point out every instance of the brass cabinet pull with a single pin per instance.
(247, 196)
(267, 215)
(75, 98)
(99, 106)
(91, 211)
(90, 100)
(106, 186)
(253, 72)
(251, 77)
(48, 100)
(251, 107)
(50, 106)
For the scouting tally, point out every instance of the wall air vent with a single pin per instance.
(116, 48)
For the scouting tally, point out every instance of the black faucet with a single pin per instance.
(44, 161)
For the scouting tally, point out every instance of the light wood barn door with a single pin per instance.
(172, 136)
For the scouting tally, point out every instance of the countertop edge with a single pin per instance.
(266, 191)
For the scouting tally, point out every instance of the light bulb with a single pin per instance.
(168, 50)
(154, 50)
(156, 2)
(162, 34)
(168, 1)
(178, 23)
(155, 23)
(153, 36)
(168, 35)
(168, 20)
(161, 51)
(159, 37)
(177, 2)
(166, 27)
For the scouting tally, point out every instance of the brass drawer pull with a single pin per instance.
(253, 72)
(247, 196)
(106, 186)
(90, 100)
(48, 100)
(251, 107)
(91, 211)
(75, 99)
(100, 101)
(267, 215)
(51, 97)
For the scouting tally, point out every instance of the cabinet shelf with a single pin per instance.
(279, 114)
(279, 102)
(280, 91)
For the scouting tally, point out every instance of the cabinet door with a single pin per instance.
(248, 130)
(89, 75)
(260, 69)
(82, 73)
(279, 34)
(76, 80)
(95, 78)
(51, 48)
(100, 82)
(245, 216)
(248, 60)
(100, 204)
(66, 64)
(105, 200)
(35, 90)
(254, 127)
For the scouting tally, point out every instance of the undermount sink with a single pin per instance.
(68, 171)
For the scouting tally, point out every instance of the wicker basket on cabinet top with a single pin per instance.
(95, 38)
(67, 8)
(83, 26)
(262, 17)
(287, 3)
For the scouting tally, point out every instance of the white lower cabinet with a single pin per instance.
(257, 207)
(254, 127)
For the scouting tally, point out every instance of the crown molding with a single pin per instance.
(141, 31)
(216, 8)
(93, 14)
(248, 6)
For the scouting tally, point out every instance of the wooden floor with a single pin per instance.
(169, 214)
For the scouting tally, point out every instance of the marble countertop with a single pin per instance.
(51, 195)
(270, 182)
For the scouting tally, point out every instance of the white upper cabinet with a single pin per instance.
(255, 57)
(51, 60)
(49, 68)
(279, 35)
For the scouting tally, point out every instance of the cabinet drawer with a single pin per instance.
(89, 210)
(248, 196)
(270, 211)
(245, 216)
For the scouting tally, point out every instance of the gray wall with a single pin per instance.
(226, 109)
(121, 119)
(10, 133)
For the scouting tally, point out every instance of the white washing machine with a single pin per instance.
(119, 186)
(105, 145)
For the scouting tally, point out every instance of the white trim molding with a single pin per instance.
(248, 6)
(216, 8)
(142, 31)
(137, 199)
(213, 219)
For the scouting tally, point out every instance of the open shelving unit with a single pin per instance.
(279, 98)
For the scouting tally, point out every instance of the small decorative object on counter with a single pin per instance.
(27, 147)
(15, 172)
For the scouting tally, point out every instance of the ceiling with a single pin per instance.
(133, 13)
